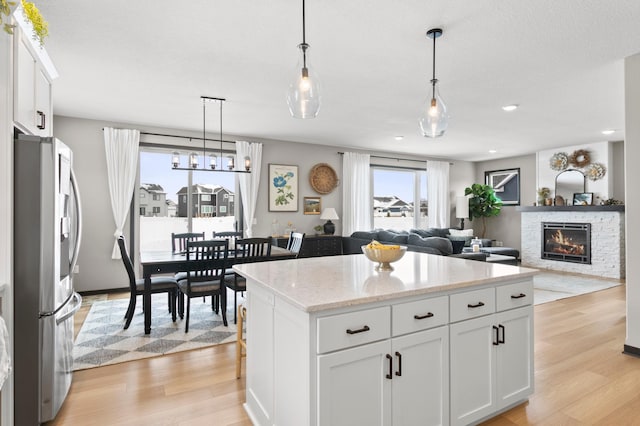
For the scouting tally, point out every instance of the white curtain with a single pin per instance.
(121, 147)
(438, 193)
(356, 193)
(249, 182)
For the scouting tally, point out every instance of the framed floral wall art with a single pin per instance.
(283, 188)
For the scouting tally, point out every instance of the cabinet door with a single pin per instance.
(24, 85)
(43, 104)
(353, 388)
(420, 384)
(514, 355)
(472, 356)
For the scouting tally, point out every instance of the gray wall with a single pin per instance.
(506, 226)
(98, 271)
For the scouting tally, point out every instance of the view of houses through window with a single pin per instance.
(168, 204)
(399, 198)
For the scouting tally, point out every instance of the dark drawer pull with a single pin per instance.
(419, 317)
(390, 376)
(477, 305)
(365, 328)
(519, 296)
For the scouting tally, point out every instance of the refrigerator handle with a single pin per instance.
(73, 310)
(76, 249)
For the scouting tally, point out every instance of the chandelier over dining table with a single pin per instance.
(215, 157)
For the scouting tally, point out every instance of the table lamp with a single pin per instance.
(329, 214)
(462, 209)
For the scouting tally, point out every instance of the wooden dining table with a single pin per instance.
(158, 262)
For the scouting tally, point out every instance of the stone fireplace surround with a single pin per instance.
(607, 238)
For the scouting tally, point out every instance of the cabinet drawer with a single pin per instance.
(353, 328)
(472, 304)
(419, 315)
(514, 295)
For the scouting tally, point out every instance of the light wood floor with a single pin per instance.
(581, 378)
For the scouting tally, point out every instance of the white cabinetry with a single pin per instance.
(399, 382)
(32, 102)
(491, 353)
(426, 359)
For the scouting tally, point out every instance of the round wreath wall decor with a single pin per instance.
(559, 161)
(595, 171)
(580, 158)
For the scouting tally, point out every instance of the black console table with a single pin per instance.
(315, 245)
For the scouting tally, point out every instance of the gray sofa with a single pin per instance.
(433, 241)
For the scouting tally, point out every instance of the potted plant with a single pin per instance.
(318, 229)
(31, 12)
(483, 203)
(543, 193)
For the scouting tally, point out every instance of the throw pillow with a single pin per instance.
(461, 232)
(457, 246)
(431, 232)
(466, 241)
(392, 237)
(441, 244)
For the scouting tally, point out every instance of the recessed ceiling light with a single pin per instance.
(492, 151)
(398, 138)
(510, 107)
(608, 132)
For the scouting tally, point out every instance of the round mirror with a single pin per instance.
(568, 183)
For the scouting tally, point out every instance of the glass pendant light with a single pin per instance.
(303, 96)
(435, 119)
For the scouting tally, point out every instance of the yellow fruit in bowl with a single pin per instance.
(383, 254)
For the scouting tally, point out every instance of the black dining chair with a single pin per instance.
(247, 250)
(179, 241)
(206, 277)
(295, 242)
(136, 286)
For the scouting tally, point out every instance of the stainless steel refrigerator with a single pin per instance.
(47, 233)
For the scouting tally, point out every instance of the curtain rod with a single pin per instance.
(398, 159)
(182, 137)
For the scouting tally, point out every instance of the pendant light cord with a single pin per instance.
(433, 79)
(221, 134)
(304, 39)
(204, 135)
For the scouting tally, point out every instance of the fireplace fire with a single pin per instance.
(566, 242)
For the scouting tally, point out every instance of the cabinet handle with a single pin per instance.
(477, 305)
(519, 296)
(360, 330)
(419, 317)
(501, 327)
(43, 120)
(496, 342)
(390, 358)
(399, 372)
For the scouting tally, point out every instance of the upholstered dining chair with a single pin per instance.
(136, 286)
(206, 277)
(247, 250)
(295, 242)
(179, 241)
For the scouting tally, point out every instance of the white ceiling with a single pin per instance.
(147, 62)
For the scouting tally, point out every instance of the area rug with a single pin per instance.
(549, 286)
(103, 341)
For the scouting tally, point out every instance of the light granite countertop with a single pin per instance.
(322, 283)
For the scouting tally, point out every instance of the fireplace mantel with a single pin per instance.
(586, 209)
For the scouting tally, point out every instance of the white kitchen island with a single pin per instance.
(438, 341)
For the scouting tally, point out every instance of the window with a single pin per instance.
(223, 209)
(399, 198)
(156, 197)
(142, 194)
(191, 193)
(142, 211)
(225, 196)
